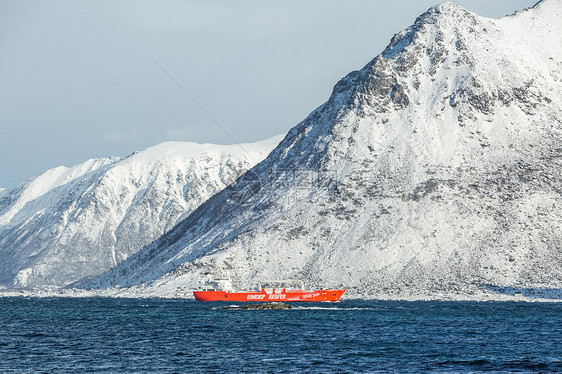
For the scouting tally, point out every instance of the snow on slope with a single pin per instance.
(435, 169)
(44, 183)
(72, 223)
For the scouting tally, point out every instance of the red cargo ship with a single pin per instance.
(221, 290)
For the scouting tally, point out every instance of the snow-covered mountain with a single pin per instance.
(435, 169)
(73, 223)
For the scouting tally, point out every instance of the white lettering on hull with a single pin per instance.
(274, 296)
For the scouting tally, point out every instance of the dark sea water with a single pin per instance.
(61, 335)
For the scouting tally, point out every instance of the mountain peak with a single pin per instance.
(448, 7)
(445, 11)
(445, 18)
(446, 64)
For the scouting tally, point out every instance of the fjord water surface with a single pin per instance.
(63, 335)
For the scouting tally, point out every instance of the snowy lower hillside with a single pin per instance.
(69, 224)
(434, 170)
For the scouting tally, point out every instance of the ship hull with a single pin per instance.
(283, 296)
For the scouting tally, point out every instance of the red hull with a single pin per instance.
(286, 296)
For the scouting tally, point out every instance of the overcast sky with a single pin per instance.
(77, 80)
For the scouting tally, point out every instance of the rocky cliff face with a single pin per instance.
(73, 223)
(435, 169)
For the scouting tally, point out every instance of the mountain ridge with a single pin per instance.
(71, 223)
